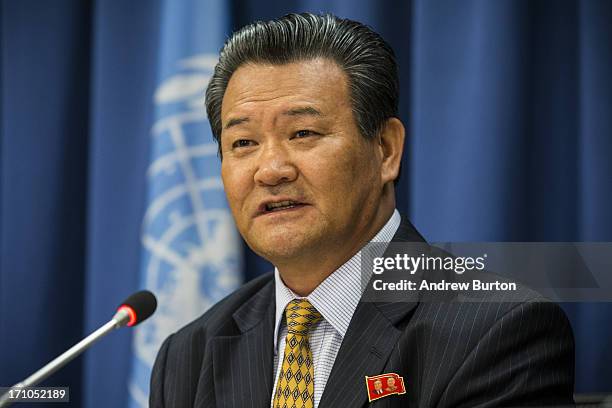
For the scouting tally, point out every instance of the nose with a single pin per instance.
(275, 167)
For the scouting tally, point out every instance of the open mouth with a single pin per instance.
(280, 206)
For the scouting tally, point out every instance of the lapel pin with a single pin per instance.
(383, 385)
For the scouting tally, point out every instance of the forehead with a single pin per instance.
(319, 82)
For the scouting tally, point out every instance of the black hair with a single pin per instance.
(363, 55)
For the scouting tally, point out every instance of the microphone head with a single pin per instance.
(139, 306)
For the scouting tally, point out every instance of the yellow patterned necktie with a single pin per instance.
(295, 388)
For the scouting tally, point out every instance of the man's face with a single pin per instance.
(290, 141)
(390, 381)
(377, 385)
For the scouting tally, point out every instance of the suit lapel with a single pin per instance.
(242, 364)
(365, 349)
(369, 341)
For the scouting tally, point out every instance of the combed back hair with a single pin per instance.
(364, 56)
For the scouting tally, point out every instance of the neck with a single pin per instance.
(303, 275)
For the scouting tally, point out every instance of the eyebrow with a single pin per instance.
(306, 110)
(235, 122)
(301, 111)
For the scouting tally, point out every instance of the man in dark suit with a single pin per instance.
(305, 112)
(378, 387)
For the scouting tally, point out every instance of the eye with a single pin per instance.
(304, 133)
(242, 143)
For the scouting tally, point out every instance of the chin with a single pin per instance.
(277, 247)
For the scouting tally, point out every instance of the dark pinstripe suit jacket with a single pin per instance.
(450, 354)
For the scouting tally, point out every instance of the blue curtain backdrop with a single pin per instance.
(508, 106)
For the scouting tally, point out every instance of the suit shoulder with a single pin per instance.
(472, 320)
(182, 356)
(509, 341)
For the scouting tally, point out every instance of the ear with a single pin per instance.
(392, 145)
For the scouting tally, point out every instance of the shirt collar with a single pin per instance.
(336, 298)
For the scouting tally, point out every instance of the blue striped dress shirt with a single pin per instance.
(336, 298)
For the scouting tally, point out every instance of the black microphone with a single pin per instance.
(136, 308)
(139, 306)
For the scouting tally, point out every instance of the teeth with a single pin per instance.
(273, 206)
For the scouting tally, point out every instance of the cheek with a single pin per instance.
(235, 183)
(338, 177)
(356, 180)
(354, 167)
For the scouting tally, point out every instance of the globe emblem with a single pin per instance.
(191, 249)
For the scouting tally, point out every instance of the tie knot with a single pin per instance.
(301, 316)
